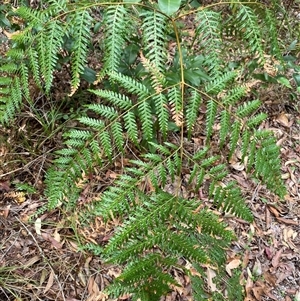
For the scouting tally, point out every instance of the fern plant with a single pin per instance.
(154, 107)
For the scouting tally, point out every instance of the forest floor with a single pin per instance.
(40, 256)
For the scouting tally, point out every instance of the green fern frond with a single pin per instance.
(106, 143)
(9, 68)
(246, 137)
(145, 115)
(24, 79)
(120, 100)
(147, 273)
(267, 163)
(131, 127)
(220, 83)
(57, 6)
(210, 117)
(116, 22)
(94, 123)
(230, 199)
(225, 126)
(256, 120)
(208, 36)
(162, 112)
(33, 16)
(176, 102)
(270, 19)
(34, 65)
(248, 23)
(234, 95)
(81, 23)
(158, 226)
(154, 37)
(192, 110)
(102, 110)
(117, 132)
(12, 103)
(248, 108)
(234, 138)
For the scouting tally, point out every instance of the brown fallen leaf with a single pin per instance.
(232, 265)
(287, 221)
(273, 210)
(269, 278)
(4, 186)
(210, 275)
(276, 258)
(258, 291)
(54, 243)
(283, 120)
(50, 282)
(269, 253)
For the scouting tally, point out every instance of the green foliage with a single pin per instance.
(151, 105)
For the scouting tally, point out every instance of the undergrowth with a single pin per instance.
(162, 68)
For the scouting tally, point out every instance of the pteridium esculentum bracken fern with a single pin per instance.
(147, 98)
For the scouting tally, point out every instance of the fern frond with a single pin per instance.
(24, 79)
(225, 126)
(145, 115)
(176, 102)
(160, 102)
(154, 28)
(234, 95)
(256, 120)
(105, 111)
(117, 133)
(267, 163)
(106, 143)
(220, 83)
(157, 78)
(94, 123)
(246, 136)
(248, 108)
(81, 23)
(208, 35)
(33, 16)
(192, 110)
(149, 272)
(210, 117)
(116, 22)
(131, 126)
(230, 199)
(34, 65)
(270, 18)
(130, 84)
(248, 23)
(117, 99)
(234, 138)
(12, 103)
